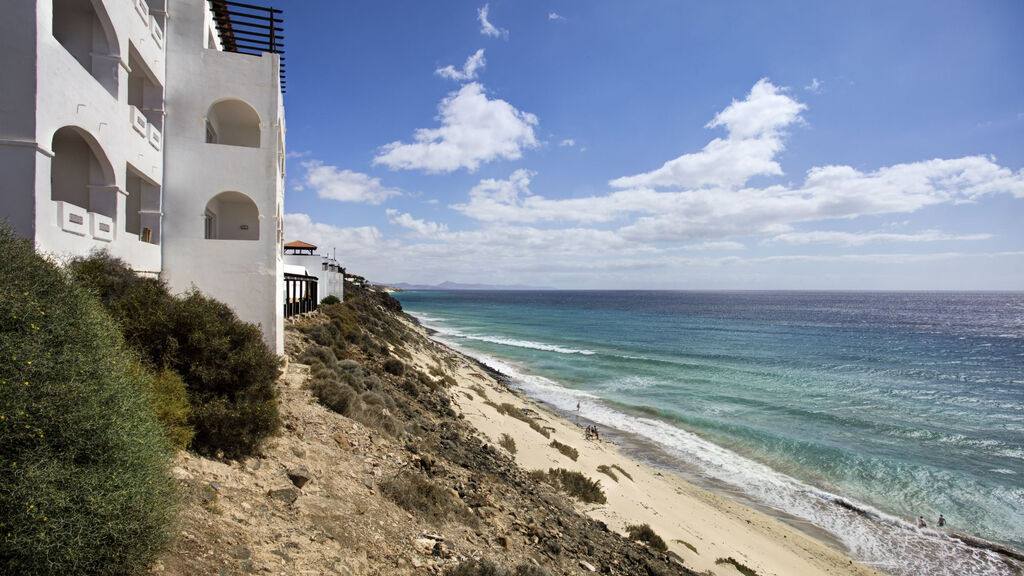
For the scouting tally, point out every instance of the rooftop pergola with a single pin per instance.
(250, 29)
(299, 247)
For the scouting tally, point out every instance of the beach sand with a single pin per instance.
(699, 526)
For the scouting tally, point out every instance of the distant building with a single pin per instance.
(329, 273)
(160, 140)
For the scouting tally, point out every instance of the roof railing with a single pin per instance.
(250, 29)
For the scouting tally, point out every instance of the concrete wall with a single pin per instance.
(18, 147)
(66, 71)
(245, 274)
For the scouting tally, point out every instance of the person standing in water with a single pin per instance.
(942, 520)
(920, 522)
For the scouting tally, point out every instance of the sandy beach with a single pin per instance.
(699, 526)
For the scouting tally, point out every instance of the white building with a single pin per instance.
(143, 127)
(329, 273)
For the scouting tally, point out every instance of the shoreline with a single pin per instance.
(697, 524)
(641, 449)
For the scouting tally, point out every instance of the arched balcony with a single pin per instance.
(84, 29)
(231, 216)
(82, 184)
(233, 122)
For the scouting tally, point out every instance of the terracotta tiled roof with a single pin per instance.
(299, 244)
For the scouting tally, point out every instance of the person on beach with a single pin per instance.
(920, 522)
(589, 431)
(597, 433)
(942, 520)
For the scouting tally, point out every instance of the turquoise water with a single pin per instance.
(899, 404)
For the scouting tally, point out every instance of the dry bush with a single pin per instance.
(565, 449)
(644, 533)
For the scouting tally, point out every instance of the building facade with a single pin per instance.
(329, 273)
(140, 127)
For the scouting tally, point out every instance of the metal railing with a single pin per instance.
(250, 29)
(299, 294)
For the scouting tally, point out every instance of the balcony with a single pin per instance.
(156, 31)
(72, 218)
(102, 227)
(139, 121)
(142, 9)
(246, 28)
(154, 137)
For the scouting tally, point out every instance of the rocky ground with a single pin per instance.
(331, 495)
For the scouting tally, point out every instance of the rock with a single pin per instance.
(444, 550)
(239, 552)
(587, 566)
(424, 546)
(299, 476)
(502, 541)
(286, 495)
(368, 482)
(342, 441)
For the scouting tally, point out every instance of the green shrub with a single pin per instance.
(394, 366)
(230, 375)
(329, 299)
(418, 495)
(508, 443)
(229, 372)
(572, 483)
(170, 403)
(565, 449)
(84, 465)
(644, 533)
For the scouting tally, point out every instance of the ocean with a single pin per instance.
(855, 412)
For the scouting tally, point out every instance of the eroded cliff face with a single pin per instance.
(401, 485)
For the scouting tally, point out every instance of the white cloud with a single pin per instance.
(474, 129)
(469, 69)
(555, 16)
(486, 28)
(815, 86)
(714, 246)
(755, 126)
(862, 238)
(345, 185)
(420, 227)
(358, 242)
(567, 142)
(675, 230)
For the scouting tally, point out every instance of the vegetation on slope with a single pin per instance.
(84, 482)
(223, 363)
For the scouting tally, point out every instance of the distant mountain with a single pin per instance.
(458, 286)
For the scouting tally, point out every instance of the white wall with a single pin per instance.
(328, 282)
(245, 274)
(48, 86)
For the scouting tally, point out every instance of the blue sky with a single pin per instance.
(660, 144)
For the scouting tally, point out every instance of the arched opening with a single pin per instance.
(231, 216)
(84, 29)
(80, 173)
(233, 122)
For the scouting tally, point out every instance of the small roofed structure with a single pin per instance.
(299, 247)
